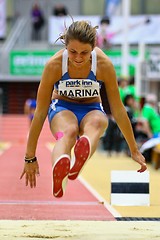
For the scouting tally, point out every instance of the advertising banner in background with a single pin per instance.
(26, 63)
(57, 25)
(141, 28)
(2, 19)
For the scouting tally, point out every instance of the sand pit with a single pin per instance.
(79, 230)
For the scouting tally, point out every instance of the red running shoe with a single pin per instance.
(82, 152)
(60, 175)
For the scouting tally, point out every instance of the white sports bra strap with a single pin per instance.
(94, 62)
(64, 62)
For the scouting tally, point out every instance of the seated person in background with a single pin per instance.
(29, 108)
(150, 113)
(139, 125)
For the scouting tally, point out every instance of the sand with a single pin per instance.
(78, 230)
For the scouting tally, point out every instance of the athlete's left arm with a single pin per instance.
(108, 75)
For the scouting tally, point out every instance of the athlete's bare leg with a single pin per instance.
(94, 125)
(65, 125)
(92, 128)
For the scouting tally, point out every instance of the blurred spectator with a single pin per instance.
(139, 125)
(127, 87)
(150, 113)
(37, 22)
(131, 89)
(30, 106)
(113, 139)
(132, 110)
(60, 10)
(122, 85)
(132, 105)
(103, 36)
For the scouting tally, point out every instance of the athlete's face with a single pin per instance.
(79, 53)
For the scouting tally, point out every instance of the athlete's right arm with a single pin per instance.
(51, 74)
(107, 73)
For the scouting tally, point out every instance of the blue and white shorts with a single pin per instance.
(80, 110)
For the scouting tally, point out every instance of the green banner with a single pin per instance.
(28, 63)
(116, 58)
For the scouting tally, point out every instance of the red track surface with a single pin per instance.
(20, 202)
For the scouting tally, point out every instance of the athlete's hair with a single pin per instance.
(81, 31)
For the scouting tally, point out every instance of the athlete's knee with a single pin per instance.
(71, 131)
(99, 122)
